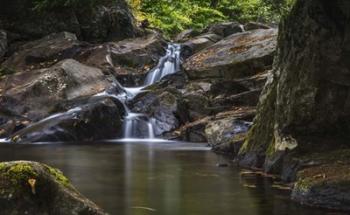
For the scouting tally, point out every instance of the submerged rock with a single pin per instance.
(239, 55)
(34, 188)
(34, 94)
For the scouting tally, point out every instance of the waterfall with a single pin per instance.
(137, 125)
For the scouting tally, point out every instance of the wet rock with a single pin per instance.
(224, 130)
(99, 118)
(3, 44)
(198, 43)
(236, 56)
(44, 52)
(128, 60)
(226, 28)
(165, 107)
(34, 94)
(255, 25)
(106, 20)
(34, 188)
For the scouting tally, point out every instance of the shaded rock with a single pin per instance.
(34, 94)
(304, 101)
(193, 131)
(196, 97)
(198, 43)
(206, 129)
(326, 184)
(98, 119)
(3, 44)
(165, 107)
(226, 28)
(34, 188)
(44, 52)
(247, 98)
(223, 130)
(186, 35)
(128, 60)
(108, 19)
(237, 56)
(305, 105)
(255, 25)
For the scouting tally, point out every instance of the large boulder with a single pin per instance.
(165, 107)
(35, 93)
(3, 44)
(236, 56)
(95, 119)
(128, 60)
(304, 107)
(108, 19)
(34, 188)
(44, 52)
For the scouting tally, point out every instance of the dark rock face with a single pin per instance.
(237, 56)
(98, 118)
(34, 188)
(3, 44)
(164, 106)
(304, 107)
(36, 93)
(44, 52)
(109, 19)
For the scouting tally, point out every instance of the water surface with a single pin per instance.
(160, 178)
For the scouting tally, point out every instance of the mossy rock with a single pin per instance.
(34, 188)
(326, 183)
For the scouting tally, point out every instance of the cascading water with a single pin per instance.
(138, 125)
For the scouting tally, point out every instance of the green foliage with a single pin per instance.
(173, 16)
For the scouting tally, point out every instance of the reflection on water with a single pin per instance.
(159, 178)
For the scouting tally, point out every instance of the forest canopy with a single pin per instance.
(173, 16)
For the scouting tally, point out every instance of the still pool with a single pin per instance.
(170, 178)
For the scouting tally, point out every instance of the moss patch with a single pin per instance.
(58, 175)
